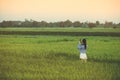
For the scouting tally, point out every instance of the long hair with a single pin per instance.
(84, 42)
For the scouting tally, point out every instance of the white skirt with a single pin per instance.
(83, 56)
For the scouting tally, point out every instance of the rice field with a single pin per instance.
(62, 29)
(38, 57)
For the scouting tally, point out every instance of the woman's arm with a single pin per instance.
(79, 46)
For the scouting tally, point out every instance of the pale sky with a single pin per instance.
(60, 10)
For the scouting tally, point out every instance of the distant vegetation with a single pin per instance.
(67, 23)
(61, 31)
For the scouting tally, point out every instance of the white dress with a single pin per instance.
(83, 56)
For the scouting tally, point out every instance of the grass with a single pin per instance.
(63, 29)
(57, 58)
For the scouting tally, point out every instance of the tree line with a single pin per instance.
(67, 23)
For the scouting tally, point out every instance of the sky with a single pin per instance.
(61, 10)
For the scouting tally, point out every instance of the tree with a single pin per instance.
(97, 23)
(68, 23)
(91, 25)
(108, 24)
(35, 24)
(60, 24)
(43, 24)
(77, 24)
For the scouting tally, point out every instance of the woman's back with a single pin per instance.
(81, 47)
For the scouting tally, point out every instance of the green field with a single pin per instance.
(27, 57)
(63, 29)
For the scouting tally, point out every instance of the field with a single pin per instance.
(43, 57)
(62, 29)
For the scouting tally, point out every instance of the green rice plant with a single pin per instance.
(62, 29)
(57, 58)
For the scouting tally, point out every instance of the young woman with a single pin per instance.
(82, 46)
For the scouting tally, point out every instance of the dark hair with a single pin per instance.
(84, 42)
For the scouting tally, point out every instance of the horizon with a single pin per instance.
(60, 10)
(62, 21)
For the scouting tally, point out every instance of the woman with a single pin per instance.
(82, 47)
